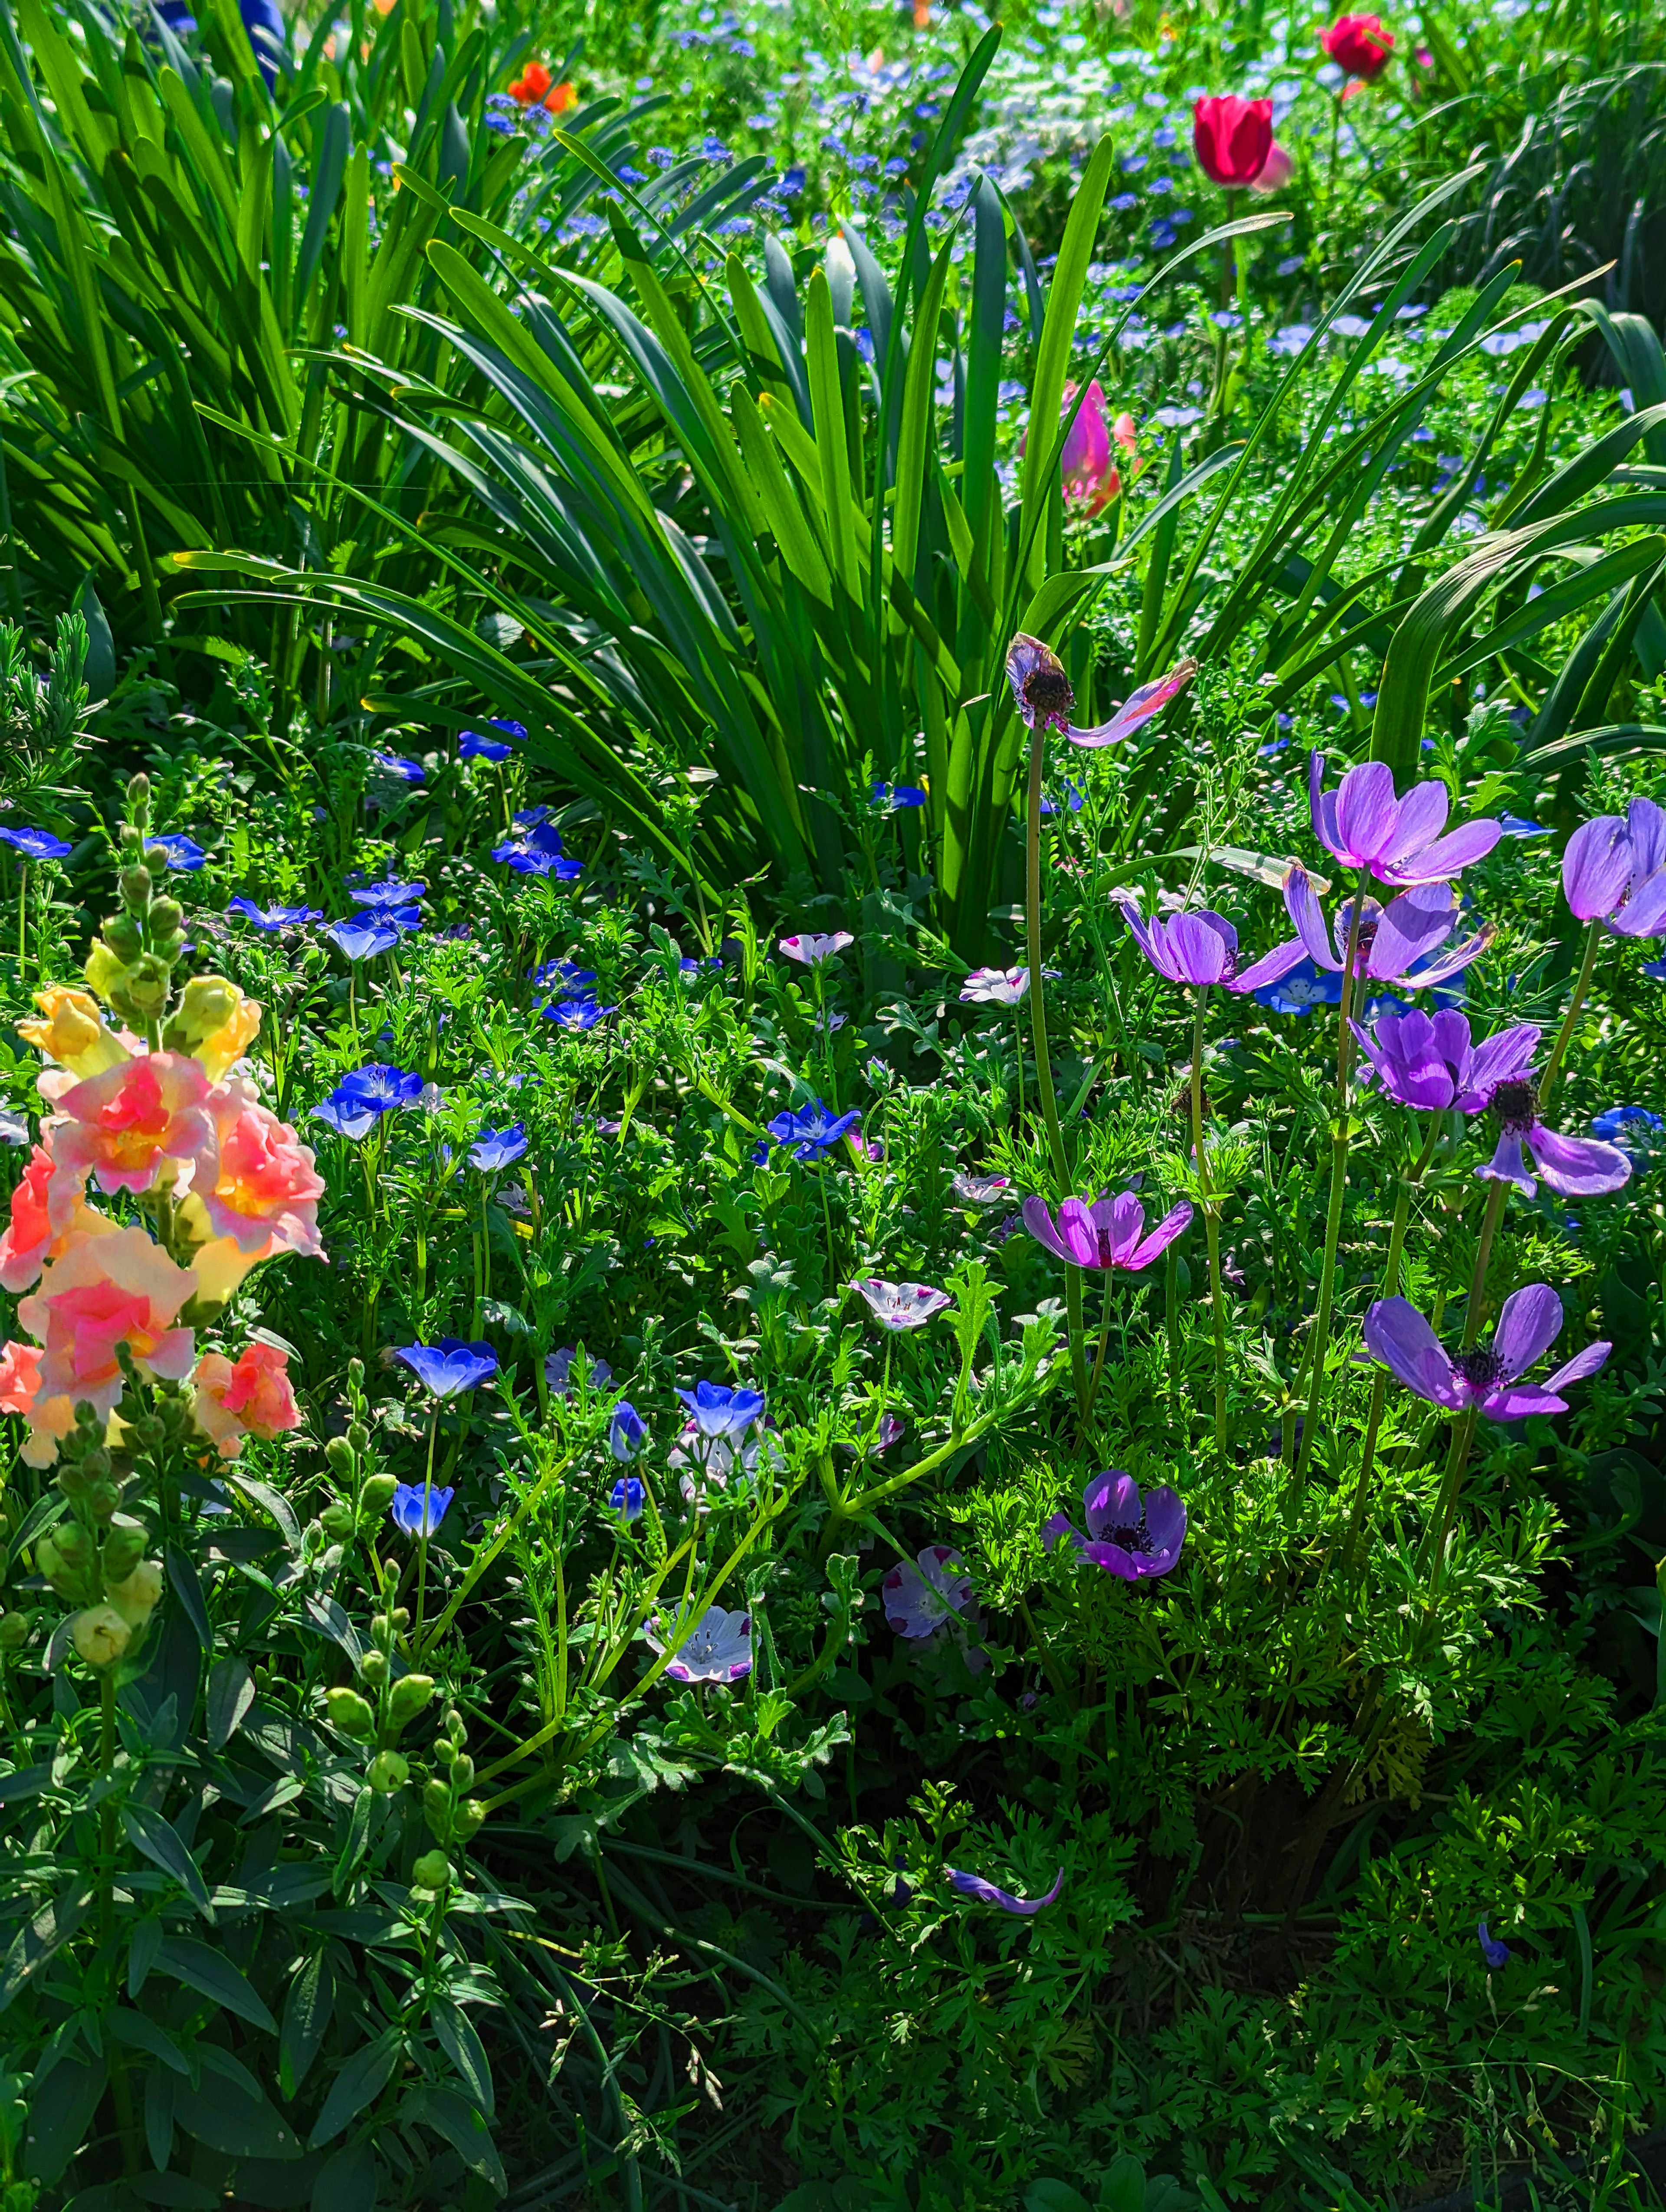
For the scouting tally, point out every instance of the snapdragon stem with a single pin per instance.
(1072, 1281)
(1563, 1035)
(1211, 1227)
(1339, 1178)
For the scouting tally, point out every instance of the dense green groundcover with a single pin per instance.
(516, 1683)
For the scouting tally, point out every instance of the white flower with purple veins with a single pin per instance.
(980, 1190)
(900, 1305)
(810, 948)
(720, 1650)
(919, 1599)
(994, 986)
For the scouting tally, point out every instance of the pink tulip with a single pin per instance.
(1275, 171)
(1091, 480)
(1126, 432)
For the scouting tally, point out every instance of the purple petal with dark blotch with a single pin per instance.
(1057, 1525)
(1583, 1363)
(1120, 1221)
(1114, 1559)
(1504, 1057)
(1412, 1071)
(988, 1892)
(1508, 1165)
(1397, 1335)
(1423, 813)
(1111, 1500)
(1272, 967)
(1447, 856)
(1528, 1324)
(1644, 913)
(1039, 1222)
(1171, 1225)
(1411, 927)
(1138, 708)
(1597, 866)
(1577, 1167)
(1366, 813)
(1302, 905)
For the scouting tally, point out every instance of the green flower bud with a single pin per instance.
(336, 1521)
(358, 1436)
(75, 1546)
(139, 793)
(136, 1595)
(148, 982)
(389, 1771)
(431, 1871)
(121, 933)
(469, 1816)
(166, 915)
(124, 1548)
(436, 1810)
(408, 1697)
(373, 1667)
(134, 885)
(340, 1456)
(462, 1772)
(444, 1751)
(350, 1713)
(14, 1631)
(377, 1494)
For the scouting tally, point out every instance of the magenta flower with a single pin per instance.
(1044, 698)
(919, 1599)
(1615, 871)
(1430, 1063)
(810, 947)
(1399, 840)
(1484, 1376)
(1126, 1537)
(988, 1892)
(901, 1305)
(1398, 943)
(1108, 1235)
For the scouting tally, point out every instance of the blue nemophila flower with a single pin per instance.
(722, 1411)
(1304, 988)
(496, 1148)
(1074, 798)
(274, 917)
(529, 818)
(537, 853)
(387, 896)
(395, 764)
(988, 1892)
(1496, 1954)
(348, 1116)
(568, 974)
(381, 1087)
(408, 1512)
(891, 798)
(473, 745)
(581, 1013)
(559, 1365)
(813, 1131)
(446, 1370)
(627, 1433)
(1516, 825)
(177, 851)
(364, 940)
(626, 1497)
(1632, 1128)
(36, 844)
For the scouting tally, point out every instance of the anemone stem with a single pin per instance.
(1072, 1281)
(1559, 1050)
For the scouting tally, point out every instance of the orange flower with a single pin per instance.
(530, 87)
(32, 1240)
(122, 1127)
(265, 1193)
(20, 1378)
(562, 96)
(253, 1398)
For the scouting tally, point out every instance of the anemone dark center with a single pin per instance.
(1047, 692)
(1516, 1105)
(1480, 1370)
(1134, 1536)
(1368, 929)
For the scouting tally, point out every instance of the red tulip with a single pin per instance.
(1358, 44)
(1232, 137)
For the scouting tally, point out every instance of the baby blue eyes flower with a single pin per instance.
(348, 1116)
(812, 1131)
(582, 1013)
(988, 1892)
(472, 745)
(37, 844)
(919, 1599)
(395, 764)
(558, 1372)
(388, 895)
(179, 852)
(1298, 992)
(627, 1437)
(721, 1411)
(626, 1497)
(381, 1087)
(900, 1305)
(274, 917)
(446, 1370)
(568, 974)
(496, 1148)
(893, 798)
(407, 1510)
(811, 947)
(364, 940)
(537, 851)
(719, 1650)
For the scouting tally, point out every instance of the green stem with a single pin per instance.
(1098, 1359)
(1211, 1228)
(422, 1531)
(1474, 1311)
(1457, 1459)
(1072, 1281)
(1557, 1051)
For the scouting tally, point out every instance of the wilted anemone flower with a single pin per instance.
(1399, 840)
(567, 1366)
(274, 917)
(1613, 870)
(1484, 1376)
(811, 947)
(994, 986)
(1109, 1235)
(1045, 699)
(900, 1305)
(448, 1368)
(919, 1599)
(1428, 1061)
(813, 1131)
(1125, 1535)
(980, 1190)
(1397, 944)
(581, 1013)
(989, 1892)
(627, 1433)
(406, 1511)
(627, 1497)
(495, 1149)
(177, 851)
(719, 1650)
(36, 844)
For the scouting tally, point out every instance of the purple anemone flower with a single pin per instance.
(989, 1892)
(1484, 1376)
(418, 1508)
(719, 1650)
(1108, 1235)
(1200, 948)
(1397, 944)
(1125, 1535)
(900, 1305)
(1042, 692)
(1429, 1062)
(1615, 871)
(811, 947)
(919, 1599)
(1399, 840)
